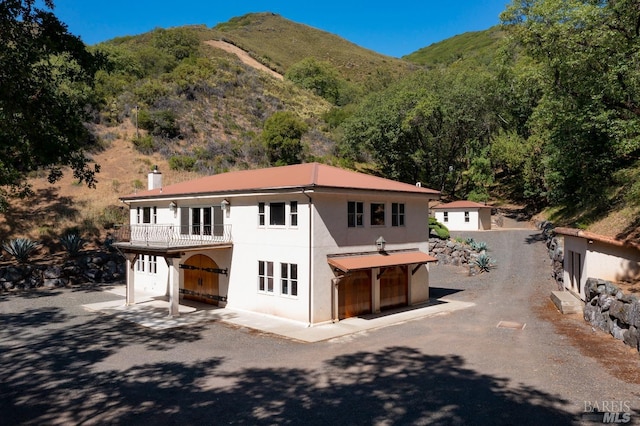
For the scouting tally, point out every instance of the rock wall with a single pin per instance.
(556, 252)
(611, 310)
(95, 267)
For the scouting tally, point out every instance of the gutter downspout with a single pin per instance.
(310, 255)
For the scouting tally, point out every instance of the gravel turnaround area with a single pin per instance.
(60, 364)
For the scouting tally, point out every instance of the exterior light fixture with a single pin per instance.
(380, 243)
(224, 204)
(173, 206)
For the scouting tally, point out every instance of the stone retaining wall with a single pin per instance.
(95, 267)
(612, 311)
(608, 308)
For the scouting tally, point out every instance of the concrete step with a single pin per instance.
(566, 302)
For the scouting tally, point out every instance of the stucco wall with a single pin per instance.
(456, 220)
(598, 260)
(327, 213)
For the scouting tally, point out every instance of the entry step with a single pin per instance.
(566, 302)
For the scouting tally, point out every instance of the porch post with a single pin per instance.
(131, 278)
(174, 287)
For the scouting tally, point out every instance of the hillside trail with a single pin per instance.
(243, 56)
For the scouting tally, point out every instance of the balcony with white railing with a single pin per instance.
(168, 236)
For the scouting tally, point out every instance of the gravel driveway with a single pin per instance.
(60, 364)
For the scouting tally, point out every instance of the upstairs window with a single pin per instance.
(276, 214)
(355, 214)
(397, 214)
(261, 218)
(293, 213)
(377, 214)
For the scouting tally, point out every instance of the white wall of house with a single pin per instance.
(460, 219)
(300, 245)
(333, 236)
(584, 258)
(278, 244)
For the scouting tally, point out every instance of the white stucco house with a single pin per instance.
(464, 215)
(590, 255)
(309, 242)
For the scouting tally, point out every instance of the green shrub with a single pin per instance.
(21, 248)
(144, 144)
(438, 228)
(72, 243)
(182, 162)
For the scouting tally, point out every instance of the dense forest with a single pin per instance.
(541, 111)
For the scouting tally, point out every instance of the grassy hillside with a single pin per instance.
(480, 46)
(171, 99)
(280, 43)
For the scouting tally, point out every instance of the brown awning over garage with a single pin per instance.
(379, 260)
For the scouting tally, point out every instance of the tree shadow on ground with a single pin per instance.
(52, 378)
(535, 238)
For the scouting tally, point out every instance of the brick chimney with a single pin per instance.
(155, 179)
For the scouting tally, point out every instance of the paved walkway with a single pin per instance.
(151, 312)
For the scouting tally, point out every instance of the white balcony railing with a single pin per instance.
(171, 235)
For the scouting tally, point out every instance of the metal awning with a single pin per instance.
(379, 260)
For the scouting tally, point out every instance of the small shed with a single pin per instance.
(590, 255)
(464, 215)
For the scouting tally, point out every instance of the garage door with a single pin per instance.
(354, 294)
(394, 285)
(199, 282)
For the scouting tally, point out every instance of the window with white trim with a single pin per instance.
(277, 214)
(153, 264)
(466, 216)
(265, 276)
(293, 213)
(446, 216)
(377, 214)
(397, 214)
(261, 214)
(140, 263)
(289, 279)
(355, 214)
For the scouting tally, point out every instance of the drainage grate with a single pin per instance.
(511, 324)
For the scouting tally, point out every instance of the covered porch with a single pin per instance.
(179, 251)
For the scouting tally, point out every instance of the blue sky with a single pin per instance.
(391, 28)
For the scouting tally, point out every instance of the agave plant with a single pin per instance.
(470, 240)
(20, 248)
(484, 263)
(72, 243)
(479, 246)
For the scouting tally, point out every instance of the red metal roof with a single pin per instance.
(462, 204)
(379, 260)
(306, 175)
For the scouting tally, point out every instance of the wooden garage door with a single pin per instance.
(394, 286)
(199, 284)
(354, 294)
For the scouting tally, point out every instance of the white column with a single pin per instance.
(131, 278)
(174, 287)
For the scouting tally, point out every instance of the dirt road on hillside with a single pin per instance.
(243, 56)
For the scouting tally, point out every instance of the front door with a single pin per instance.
(394, 284)
(354, 294)
(199, 282)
